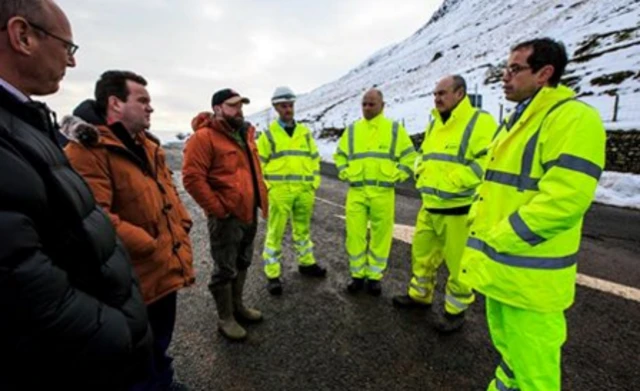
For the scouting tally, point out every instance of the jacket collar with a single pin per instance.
(375, 121)
(19, 95)
(284, 125)
(462, 110)
(545, 98)
(93, 135)
(298, 130)
(35, 113)
(223, 127)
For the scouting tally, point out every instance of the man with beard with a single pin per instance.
(291, 165)
(222, 173)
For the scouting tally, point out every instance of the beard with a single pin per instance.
(235, 122)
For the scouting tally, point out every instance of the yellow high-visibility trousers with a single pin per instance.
(375, 206)
(295, 202)
(439, 237)
(530, 344)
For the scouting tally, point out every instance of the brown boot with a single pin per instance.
(241, 312)
(227, 324)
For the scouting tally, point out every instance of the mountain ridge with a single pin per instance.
(472, 38)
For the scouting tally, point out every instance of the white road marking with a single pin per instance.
(404, 233)
(609, 287)
(330, 203)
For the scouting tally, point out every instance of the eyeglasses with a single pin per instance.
(514, 69)
(71, 47)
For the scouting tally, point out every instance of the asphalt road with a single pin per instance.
(318, 337)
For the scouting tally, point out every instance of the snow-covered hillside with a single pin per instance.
(472, 38)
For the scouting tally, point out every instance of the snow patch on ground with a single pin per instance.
(619, 189)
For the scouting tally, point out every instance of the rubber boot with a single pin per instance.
(355, 285)
(374, 288)
(449, 323)
(313, 270)
(227, 324)
(274, 286)
(406, 302)
(241, 312)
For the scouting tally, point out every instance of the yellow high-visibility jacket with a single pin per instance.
(377, 153)
(527, 218)
(454, 155)
(289, 159)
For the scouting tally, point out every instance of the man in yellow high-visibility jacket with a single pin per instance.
(454, 154)
(373, 154)
(526, 222)
(291, 167)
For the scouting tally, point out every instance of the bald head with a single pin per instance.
(55, 17)
(449, 91)
(36, 45)
(372, 104)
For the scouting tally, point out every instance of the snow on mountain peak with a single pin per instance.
(472, 38)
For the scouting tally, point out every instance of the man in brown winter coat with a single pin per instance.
(126, 169)
(222, 173)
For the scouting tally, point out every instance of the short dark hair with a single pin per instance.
(546, 51)
(33, 10)
(114, 83)
(459, 82)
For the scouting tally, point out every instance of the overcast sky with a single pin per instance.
(187, 49)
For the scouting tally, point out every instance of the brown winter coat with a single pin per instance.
(218, 172)
(143, 205)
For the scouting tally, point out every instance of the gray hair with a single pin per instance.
(458, 82)
(33, 10)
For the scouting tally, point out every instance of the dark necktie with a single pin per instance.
(516, 115)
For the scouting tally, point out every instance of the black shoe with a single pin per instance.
(314, 270)
(374, 288)
(406, 302)
(355, 285)
(449, 323)
(274, 286)
(178, 386)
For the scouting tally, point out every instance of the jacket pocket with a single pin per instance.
(464, 178)
(275, 166)
(140, 205)
(354, 172)
(388, 171)
(230, 161)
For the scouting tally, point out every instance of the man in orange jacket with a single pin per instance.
(222, 173)
(125, 167)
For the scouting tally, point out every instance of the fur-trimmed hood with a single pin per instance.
(87, 127)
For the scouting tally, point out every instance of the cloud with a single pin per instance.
(212, 12)
(189, 49)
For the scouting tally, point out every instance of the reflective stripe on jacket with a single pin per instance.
(527, 220)
(289, 159)
(377, 153)
(454, 155)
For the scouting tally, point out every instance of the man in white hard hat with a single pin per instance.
(291, 166)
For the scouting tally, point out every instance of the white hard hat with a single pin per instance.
(283, 94)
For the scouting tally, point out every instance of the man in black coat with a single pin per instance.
(71, 313)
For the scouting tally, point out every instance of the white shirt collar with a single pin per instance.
(14, 91)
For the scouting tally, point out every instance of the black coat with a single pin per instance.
(71, 313)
